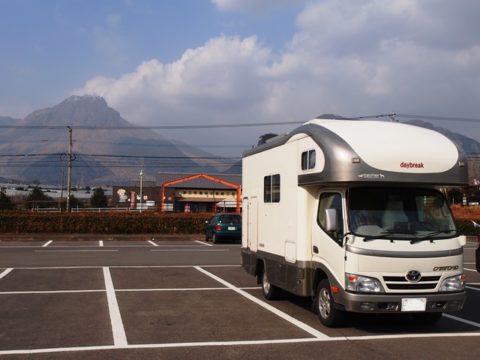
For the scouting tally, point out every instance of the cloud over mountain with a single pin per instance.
(348, 57)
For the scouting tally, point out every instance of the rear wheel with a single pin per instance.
(270, 292)
(214, 238)
(325, 306)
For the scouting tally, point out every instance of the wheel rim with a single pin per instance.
(265, 283)
(324, 303)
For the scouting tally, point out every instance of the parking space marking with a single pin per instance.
(169, 289)
(33, 292)
(465, 321)
(5, 272)
(119, 336)
(151, 242)
(203, 243)
(317, 334)
(47, 243)
(191, 250)
(72, 251)
(100, 243)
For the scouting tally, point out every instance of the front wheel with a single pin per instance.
(325, 306)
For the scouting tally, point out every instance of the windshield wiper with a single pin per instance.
(387, 235)
(430, 234)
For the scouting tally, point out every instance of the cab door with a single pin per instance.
(327, 245)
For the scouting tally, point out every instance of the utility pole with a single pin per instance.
(69, 167)
(141, 189)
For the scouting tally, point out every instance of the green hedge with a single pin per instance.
(102, 223)
(125, 223)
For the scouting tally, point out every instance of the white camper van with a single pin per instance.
(349, 214)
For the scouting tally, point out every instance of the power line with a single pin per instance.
(156, 127)
(441, 118)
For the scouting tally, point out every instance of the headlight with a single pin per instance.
(453, 283)
(362, 284)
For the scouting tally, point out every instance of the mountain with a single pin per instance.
(47, 147)
(7, 121)
(468, 145)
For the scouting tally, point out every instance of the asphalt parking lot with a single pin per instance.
(190, 299)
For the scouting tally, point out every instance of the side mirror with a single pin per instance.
(331, 220)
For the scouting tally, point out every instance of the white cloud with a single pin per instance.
(347, 57)
(252, 5)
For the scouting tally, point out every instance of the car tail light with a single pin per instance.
(217, 227)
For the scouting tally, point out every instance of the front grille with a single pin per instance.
(401, 283)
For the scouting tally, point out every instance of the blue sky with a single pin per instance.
(51, 47)
(230, 61)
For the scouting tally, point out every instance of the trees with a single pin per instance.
(37, 198)
(98, 198)
(5, 202)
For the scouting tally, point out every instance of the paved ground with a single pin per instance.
(188, 299)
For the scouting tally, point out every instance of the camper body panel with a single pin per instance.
(295, 246)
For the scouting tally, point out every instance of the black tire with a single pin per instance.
(270, 292)
(325, 306)
(214, 238)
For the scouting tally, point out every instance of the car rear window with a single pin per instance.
(230, 219)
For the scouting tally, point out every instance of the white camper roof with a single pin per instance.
(378, 151)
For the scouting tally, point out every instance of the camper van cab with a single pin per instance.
(350, 213)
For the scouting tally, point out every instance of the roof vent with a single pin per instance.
(263, 139)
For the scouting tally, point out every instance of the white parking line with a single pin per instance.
(191, 250)
(47, 243)
(121, 267)
(73, 251)
(472, 323)
(100, 243)
(5, 272)
(472, 288)
(119, 336)
(35, 292)
(49, 292)
(151, 242)
(203, 243)
(314, 332)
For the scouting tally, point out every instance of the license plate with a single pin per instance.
(231, 228)
(414, 304)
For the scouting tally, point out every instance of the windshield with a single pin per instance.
(400, 213)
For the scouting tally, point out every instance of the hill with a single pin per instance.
(102, 156)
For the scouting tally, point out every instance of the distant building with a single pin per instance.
(183, 192)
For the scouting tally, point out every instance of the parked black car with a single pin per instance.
(224, 227)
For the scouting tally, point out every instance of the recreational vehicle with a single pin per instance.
(351, 214)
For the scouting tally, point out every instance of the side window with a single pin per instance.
(331, 201)
(308, 160)
(267, 189)
(271, 188)
(214, 220)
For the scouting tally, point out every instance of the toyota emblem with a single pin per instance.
(414, 275)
